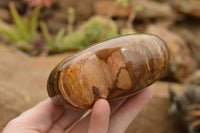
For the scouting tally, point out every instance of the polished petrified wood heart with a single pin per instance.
(113, 69)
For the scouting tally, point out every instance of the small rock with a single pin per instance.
(195, 77)
(4, 14)
(152, 9)
(189, 7)
(148, 9)
(110, 8)
(191, 38)
(181, 63)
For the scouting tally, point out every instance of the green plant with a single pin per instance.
(24, 30)
(53, 44)
(126, 31)
(96, 29)
(71, 18)
(135, 9)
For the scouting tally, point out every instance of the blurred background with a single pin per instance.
(35, 35)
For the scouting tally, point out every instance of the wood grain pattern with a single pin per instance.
(113, 69)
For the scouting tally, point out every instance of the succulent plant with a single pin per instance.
(96, 29)
(23, 33)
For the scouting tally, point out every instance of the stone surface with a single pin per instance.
(148, 9)
(4, 14)
(189, 31)
(189, 8)
(111, 69)
(153, 9)
(108, 8)
(181, 62)
(195, 77)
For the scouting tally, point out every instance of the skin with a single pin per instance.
(46, 117)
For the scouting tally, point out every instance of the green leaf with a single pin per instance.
(138, 8)
(9, 31)
(96, 29)
(11, 35)
(18, 21)
(59, 37)
(34, 22)
(71, 17)
(46, 33)
(23, 45)
(25, 23)
(127, 31)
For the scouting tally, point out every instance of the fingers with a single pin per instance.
(97, 122)
(39, 118)
(128, 111)
(100, 117)
(69, 117)
(81, 126)
(124, 111)
(56, 128)
(66, 120)
(114, 105)
(46, 116)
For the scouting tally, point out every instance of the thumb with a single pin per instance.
(100, 116)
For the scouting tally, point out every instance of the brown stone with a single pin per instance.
(190, 8)
(181, 62)
(4, 14)
(111, 8)
(195, 77)
(152, 9)
(149, 9)
(133, 62)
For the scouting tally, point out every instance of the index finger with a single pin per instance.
(121, 119)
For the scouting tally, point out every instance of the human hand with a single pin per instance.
(46, 117)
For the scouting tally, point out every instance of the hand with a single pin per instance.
(46, 117)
